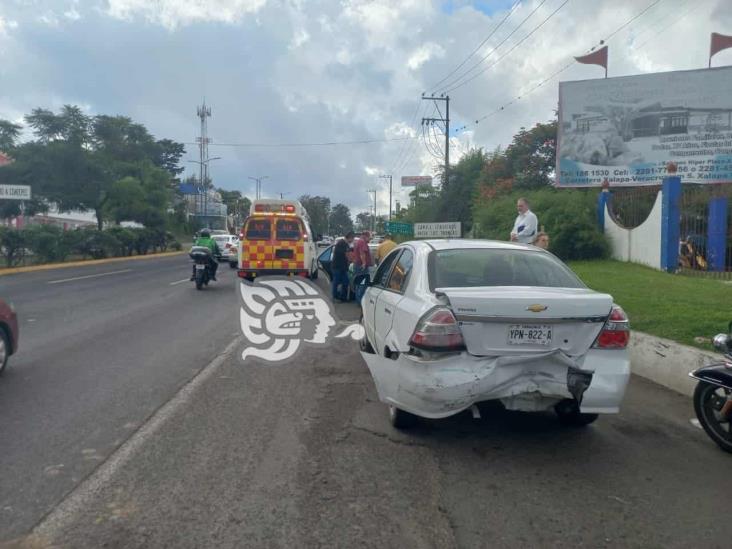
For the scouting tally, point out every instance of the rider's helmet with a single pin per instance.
(205, 233)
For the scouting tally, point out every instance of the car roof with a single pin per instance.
(456, 243)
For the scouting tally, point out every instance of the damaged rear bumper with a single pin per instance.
(446, 386)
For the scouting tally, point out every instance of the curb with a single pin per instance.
(666, 362)
(51, 266)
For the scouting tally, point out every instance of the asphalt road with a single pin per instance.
(101, 348)
(253, 454)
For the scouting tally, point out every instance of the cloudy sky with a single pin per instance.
(313, 71)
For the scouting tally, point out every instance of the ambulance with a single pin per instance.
(276, 239)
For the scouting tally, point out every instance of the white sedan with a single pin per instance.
(452, 323)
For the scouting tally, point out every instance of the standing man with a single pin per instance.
(384, 248)
(361, 262)
(339, 267)
(526, 224)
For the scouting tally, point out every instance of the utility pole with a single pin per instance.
(446, 121)
(373, 218)
(258, 188)
(388, 177)
(203, 112)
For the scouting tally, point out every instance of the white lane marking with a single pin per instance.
(88, 276)
(81, 497)
(180, 281)
(695, 423)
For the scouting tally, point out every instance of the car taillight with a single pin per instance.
(438, 330)
(615, 333)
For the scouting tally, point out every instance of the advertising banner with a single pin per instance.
(15, 192)
(627, 129)
(416, 180)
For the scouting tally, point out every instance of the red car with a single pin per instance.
(8, 333)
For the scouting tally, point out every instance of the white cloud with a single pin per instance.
(72, 14)
(175, 13)
(423, 54)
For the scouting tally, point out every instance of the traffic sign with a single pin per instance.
(416, 180)
(451, 229)
(15, 192)
(395, 227)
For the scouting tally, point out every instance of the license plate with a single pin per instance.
(532, 334)
(200, 267)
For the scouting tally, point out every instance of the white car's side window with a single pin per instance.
(400, 275)
(382, 272)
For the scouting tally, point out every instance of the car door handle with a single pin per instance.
(387, 311)
(371, 301)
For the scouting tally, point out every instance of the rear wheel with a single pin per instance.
(569, 413)
(708, 402)
(401, 419)
(232, 265)
(199, 279)
(4, 350)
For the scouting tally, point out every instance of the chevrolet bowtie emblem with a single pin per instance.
(536, 308)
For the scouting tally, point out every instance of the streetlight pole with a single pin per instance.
(204, 175)
(258, 188)
(390, 187)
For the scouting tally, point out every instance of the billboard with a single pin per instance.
(416, 180)
(451, 229)
(627, 129)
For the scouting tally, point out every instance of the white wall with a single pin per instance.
(639, 245)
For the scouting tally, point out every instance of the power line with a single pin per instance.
(476, 75)
(321, 144)
(513, 8)
(560, 70)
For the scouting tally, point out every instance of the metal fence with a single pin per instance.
(630, 207)
(705, 247)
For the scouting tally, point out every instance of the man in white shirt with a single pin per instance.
(526, 224)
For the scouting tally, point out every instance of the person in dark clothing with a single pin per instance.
(339, 267)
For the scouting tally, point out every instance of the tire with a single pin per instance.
(568, 413)
(703, 406)
(232, 265)
(401, 419)
(199, 279)
(363, 344)
(4, 350)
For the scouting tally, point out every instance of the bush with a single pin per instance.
(569, 216)
(96, 244)
(126, 238)
(12, 245)
(46, 243)
(175, 245)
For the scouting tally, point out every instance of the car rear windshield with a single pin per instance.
(465, 268)
(288, 229)
(258, 229)
(221, 239)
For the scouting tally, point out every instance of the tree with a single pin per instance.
(318, 208)
(340, 220)
(9, 133)
(79, 163)
(236, 204)
(364, 221)
(531, 156)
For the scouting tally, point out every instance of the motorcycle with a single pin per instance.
(201, 257)
(713, 394)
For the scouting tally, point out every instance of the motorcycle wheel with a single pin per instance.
(199, 280)
(708, 401)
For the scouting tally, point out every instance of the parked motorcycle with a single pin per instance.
(713, 394)
(201, 257)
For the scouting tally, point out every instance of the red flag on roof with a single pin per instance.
(718, 43)
(598, 57)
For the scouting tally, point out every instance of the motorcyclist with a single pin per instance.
(204, 239)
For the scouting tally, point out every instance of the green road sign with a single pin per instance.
(394, 227)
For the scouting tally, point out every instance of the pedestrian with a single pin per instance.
(541, 240)
(384, 248)
(525, 226)
(361, 263)
(339, 267)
